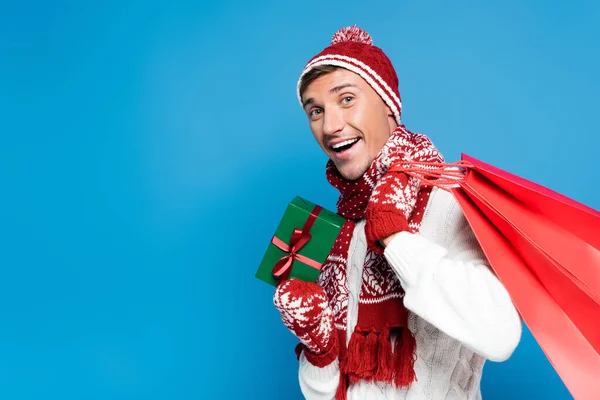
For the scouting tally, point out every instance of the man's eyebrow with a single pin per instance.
(335, 89)
(307, 102)
(340, 87)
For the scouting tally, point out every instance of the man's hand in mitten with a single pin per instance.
(391, 203)
(306, 313)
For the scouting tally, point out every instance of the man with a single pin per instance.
(405, 307)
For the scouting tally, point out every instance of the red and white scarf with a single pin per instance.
(380, 198)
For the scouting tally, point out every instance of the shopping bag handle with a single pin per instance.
(431, 173)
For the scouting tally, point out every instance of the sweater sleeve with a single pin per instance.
(448, 282)
(318, 383)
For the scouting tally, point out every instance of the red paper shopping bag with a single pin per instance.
(545, 249)
(552, 253)
(537, 217)
(568, 350)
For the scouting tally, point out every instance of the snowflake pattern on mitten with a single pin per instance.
(306, 313)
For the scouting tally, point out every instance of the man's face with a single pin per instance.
(348, 119)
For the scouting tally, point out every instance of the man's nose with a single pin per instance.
(333, 122)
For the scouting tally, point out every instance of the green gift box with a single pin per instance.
(301, 243)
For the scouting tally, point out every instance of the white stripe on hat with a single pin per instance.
(381, 87)
(360, 64)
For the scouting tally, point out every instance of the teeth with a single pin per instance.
(347, 142)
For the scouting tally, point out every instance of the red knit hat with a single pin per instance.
(352, 48)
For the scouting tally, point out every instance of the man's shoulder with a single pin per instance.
(443, 201)
(443, 215)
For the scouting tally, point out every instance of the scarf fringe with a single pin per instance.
(370, 358)
(362, 356)
(385, 370)
(342, 390)
(404, 358)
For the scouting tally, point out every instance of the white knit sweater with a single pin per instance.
(460, 314)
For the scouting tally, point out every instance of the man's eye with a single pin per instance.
(315, 112)
(347, 99)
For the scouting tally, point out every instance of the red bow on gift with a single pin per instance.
(300, 237)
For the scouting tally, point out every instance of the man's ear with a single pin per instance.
(389, 111)
(391, 119)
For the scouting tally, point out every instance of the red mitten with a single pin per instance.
(306, 313)
(389, 208)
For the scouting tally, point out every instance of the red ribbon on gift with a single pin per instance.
(299, 238)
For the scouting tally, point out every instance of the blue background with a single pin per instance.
(150, 148)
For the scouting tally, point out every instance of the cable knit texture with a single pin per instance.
(459, 313)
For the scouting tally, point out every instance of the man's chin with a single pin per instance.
(351, 172)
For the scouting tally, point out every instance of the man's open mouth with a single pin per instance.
(345, 145)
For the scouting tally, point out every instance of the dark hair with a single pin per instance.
(313, 74)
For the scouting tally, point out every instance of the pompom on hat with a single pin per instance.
(352, 48)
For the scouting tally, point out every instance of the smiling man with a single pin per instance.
(405, 307)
